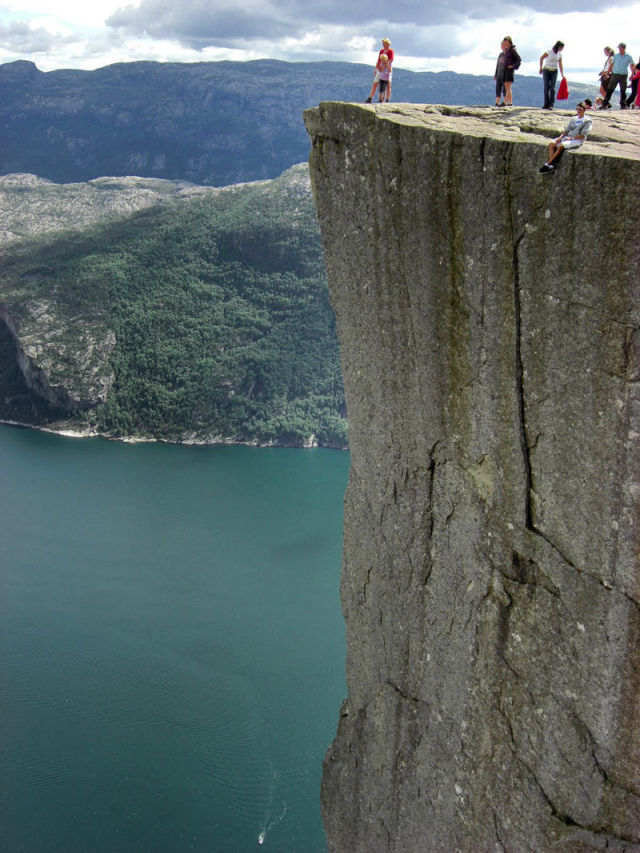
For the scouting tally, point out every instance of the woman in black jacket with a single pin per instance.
(508, 62)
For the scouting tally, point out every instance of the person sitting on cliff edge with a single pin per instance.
(572, 136)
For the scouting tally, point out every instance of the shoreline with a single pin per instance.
(187, 442)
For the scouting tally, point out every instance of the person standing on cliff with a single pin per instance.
(622, 61)
(385, 77)
(635, 80)
(508, 61)
(388, 52)
(550, 62)
(572, 136)
(605, 74)
(499, 74)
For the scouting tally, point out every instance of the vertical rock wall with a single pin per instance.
(490, 329)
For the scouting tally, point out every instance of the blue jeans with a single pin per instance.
(549, 83)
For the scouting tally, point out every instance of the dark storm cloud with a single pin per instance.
(201, 23)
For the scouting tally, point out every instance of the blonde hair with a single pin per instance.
(386, 41)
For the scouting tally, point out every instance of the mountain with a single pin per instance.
(213, 123)
(33, 205)
(201, 316)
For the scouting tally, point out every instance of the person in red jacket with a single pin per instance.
(386, 49)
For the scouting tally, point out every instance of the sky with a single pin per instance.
(448, 35)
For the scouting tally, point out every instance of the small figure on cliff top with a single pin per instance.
(388, 52)
(621, 63)
(550, 62)
(572, 136)
(385, 77)
(605, 74)
(508, 61)
(632, 100)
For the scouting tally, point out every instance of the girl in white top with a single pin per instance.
(605, 74)
(550, 61)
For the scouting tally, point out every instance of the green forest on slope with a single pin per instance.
(220, 310)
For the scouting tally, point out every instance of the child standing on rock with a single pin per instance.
(384, 74)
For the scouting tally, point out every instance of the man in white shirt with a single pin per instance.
(572, 136)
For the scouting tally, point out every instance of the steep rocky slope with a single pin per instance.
(164, 310)
(489, 320)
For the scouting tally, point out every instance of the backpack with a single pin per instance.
(516, 59)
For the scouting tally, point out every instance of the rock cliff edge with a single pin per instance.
(489, 323)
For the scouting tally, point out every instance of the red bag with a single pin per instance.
(563, 90)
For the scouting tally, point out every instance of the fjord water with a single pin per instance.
(172, 647)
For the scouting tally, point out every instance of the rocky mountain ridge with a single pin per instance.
(214, 123)
(33, 205)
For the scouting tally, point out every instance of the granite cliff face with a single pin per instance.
(490, 330)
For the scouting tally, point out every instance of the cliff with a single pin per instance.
(489, 324)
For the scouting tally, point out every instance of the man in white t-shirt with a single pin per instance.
(572, 136)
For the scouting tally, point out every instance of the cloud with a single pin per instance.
(456, 35)
(203, 23)
(20, 38)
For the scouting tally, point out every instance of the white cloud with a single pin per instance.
(459, 36)
(78, 13)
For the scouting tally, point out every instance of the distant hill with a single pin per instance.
(204, 317)
(214, 123)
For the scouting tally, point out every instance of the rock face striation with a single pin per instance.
(489, 320)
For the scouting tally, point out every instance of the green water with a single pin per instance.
(172, 648)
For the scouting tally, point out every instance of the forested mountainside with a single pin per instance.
(213, 123)
(205, 318)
